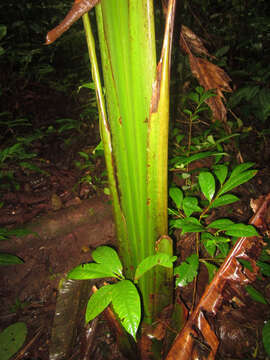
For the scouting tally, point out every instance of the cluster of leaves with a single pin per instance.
(121, 293)
(215, 236)
(253, 98)
(207, 144)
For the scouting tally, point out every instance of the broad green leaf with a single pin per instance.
(98, 302)
(207, 185)
(237, 180)
(220, 224)
(190, 205)
(148, 263)
(187, 271)
(210, 247)
(224, 200)
(221, 172)
(209, 243)
(224, 247)
(109, 258)
(241, 168)
(107, 264)
(12, 339)
(211, 268)
(266, 337)
(255, 294)
(127, 304)
(265, 268)
(9, 259)
(241, 230)
(176, 223)
(191, 224)
(177, 196)
(89, 271)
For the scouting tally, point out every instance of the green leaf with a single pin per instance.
(221, 172)
(211, 268)
(3, 31)
(190, 224)
(98, 302)
(12, 339)
(265, 268)
(89, 271)
(188, 112)
(220, 224)
(209, 243)
(107, 264)
(223, 247)
(109, 258)
(9, 259)
(222, 51)
(127, 304)
(241, 230)
(255, 294)
(148, 263)
(7, 233)
(224, 200)
(237, 180)
(266, 337)
(187, 271)
(190, 205)
(207, 185)
(246, 264)
(241, 168)
(177, 196)
(182, 161)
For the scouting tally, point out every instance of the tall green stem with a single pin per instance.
(135, 137)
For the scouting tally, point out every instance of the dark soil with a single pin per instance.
(69, 218)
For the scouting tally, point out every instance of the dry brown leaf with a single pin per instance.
(191, 42)
(210, 76)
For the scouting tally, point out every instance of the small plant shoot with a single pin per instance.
(122, 295)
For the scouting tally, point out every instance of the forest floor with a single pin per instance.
(67, 218)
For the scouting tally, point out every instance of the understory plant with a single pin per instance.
(134, 117)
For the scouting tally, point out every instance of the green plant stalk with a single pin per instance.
(157, 168)
(103, 123)
(135, 137)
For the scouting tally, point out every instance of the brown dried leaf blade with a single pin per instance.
(210, 76)
(198, 336)
(190, 42)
